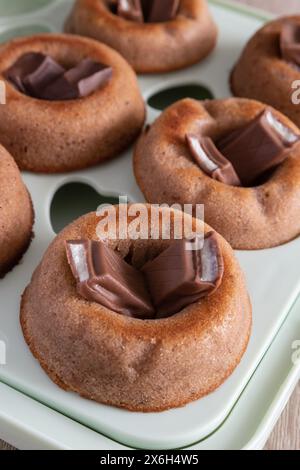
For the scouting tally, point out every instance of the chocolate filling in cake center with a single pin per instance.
(40, 76)
(181, 275)
(245, 155)
(146, 11)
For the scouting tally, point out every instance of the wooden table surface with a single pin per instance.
(286, 434)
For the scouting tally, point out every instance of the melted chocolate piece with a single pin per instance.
(148, 11)
(36, 81)
(181, 275)
(22, 68)
(130, 10)
(42, 77)
(78, 82)
(211, 161)
(258, 146)
(290, 42)
(103, 276)
(158, 11)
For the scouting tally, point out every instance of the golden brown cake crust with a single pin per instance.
(249, 218)
(57, 136)
(140, 365)
(149, 47)
(16, 214)
(261, 74)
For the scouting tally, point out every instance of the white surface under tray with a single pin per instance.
(273, 276)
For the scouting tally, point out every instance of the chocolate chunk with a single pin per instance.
(40, 76)
(130, 10)
(211, 161)
(181, 275)
(103, 276)
(257, 147)
(22, 68)
(78, 82)
(60, 90)
(36, 81)
(158, 11)
(148, 11)
(290, 42)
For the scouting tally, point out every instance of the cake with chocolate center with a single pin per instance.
(238, 157)
(145, 323)
(153, 35)
(268, 68)
(82, 98)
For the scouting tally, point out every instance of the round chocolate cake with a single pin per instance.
(16, 214)
(153, 35)
(268, 69)
(107, 318)
(240, 158)
(71, 102)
